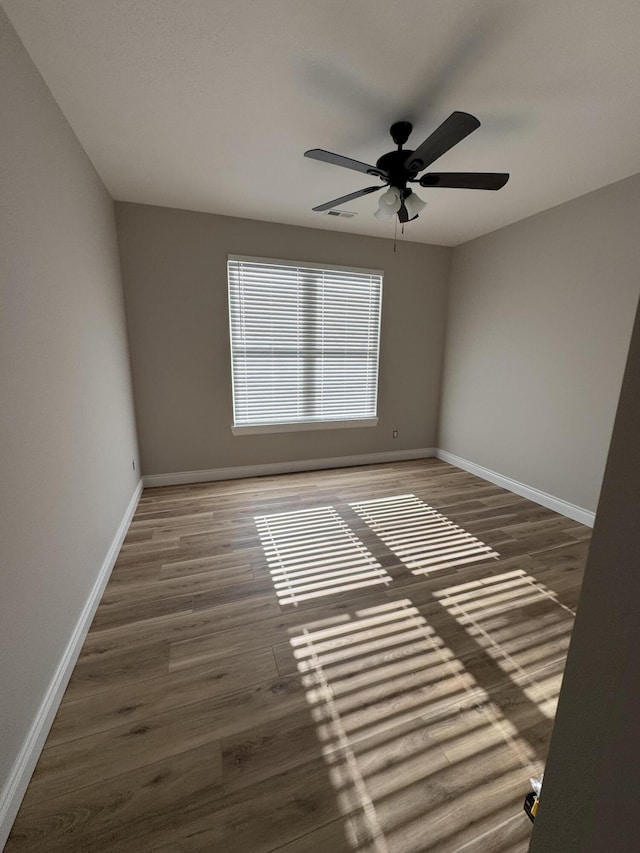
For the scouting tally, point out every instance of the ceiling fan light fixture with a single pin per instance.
(414, 205)
(397, 168)
(391, 200)
(383, 214)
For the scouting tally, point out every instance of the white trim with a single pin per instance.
(577, 513)
(301, 426)
(309, 265)
(24, 765)
(180, 478)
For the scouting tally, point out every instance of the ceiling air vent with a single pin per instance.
(342, 213)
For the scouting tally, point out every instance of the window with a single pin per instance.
(304, 345)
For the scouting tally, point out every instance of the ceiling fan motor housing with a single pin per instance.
(393, 164)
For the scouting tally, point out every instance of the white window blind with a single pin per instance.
(304, 342)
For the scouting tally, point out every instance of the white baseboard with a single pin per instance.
(577, 513)
(16, 785)
(180, 478)
(210, 475)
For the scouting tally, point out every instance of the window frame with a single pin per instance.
(300, 426)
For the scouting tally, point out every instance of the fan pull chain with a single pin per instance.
(395, 235)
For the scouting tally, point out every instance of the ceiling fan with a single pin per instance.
(398, 168)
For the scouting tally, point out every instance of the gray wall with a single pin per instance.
(175, 280)
(67, 434)
(539, 322)
(590, 796)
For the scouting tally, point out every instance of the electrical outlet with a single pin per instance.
(395, 433)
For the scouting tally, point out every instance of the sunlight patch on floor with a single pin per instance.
(405, 728)
(421, 537)
(510, 617)
(313, 553)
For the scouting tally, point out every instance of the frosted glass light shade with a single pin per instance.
(384, 214)
(414, 205)
(390, 200)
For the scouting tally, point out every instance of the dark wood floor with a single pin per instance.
(363, 659)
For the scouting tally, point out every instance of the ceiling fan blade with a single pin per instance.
(465, 180)
(451, 131)
(347, 162)
(345, 198)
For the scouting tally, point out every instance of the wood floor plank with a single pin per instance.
(207, 565)
(206, 713)
(146, 697)
(86, 760)
(183, 626)
(262, 816)
(209, 646)
(108, 670)
(332, 836)
(119, 814)
(162, 588)
(252, 755)
(229, 593)
(115, 612)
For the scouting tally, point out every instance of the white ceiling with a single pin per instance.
(209, 104)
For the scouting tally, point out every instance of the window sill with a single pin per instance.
(304, 426)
